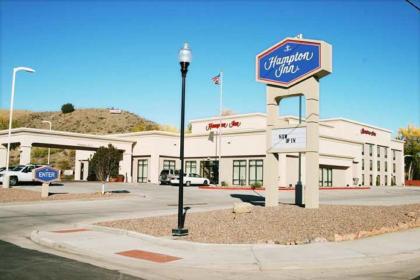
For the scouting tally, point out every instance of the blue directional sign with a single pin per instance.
(46, 174)
(288, 62)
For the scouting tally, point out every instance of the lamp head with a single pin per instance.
(185, 54)
(27, 69)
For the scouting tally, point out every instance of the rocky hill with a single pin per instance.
(94, 121)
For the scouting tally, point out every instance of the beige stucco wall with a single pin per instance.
(340, 147)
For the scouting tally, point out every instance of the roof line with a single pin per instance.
(65, 133)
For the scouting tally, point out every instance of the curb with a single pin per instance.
(95, 256)
(343, 260)
(52, 201)
(280, 188)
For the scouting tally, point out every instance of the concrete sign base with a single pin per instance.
(6, 181)
(308, 88)
(45, 190)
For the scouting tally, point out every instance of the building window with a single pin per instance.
(370, 149)
(386, 152)
(393, 154)
(190, 167)
(386, 166)
(379, 165)
(370, 165)
(256, 172)
(378, 180)
(386, 180)
(142, 171)
(363, 179)
(363, 149)
(325, 177)
(169, 164)
(239, 172)
(378, 151)
(393, 167)
(370, 180)
(393, 180)
(363, 164)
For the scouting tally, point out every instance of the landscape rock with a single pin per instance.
(242, 207)
(363, 234)
(412, 214)
(338, 237)
(349, 236)
(285, 224)
(402, 225)
(319, 240)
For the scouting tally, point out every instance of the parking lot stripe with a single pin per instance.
(70, 230)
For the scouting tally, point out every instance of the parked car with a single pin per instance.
(191, 179)
(21, 173)
(166, 175)
(4, 168)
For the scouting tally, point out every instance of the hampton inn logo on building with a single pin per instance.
(231, 124)
(368, 132)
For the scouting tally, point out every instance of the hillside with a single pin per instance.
(94, 121)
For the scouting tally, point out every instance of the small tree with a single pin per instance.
(411, 137)
(105, 163)
(67, 108)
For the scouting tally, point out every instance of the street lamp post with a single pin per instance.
(49, 149)
(299, 187)
(184, 60)
(12, 98)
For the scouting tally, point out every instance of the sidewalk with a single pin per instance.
(163, 258)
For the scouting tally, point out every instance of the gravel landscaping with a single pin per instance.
(285, 224)
(19, 195)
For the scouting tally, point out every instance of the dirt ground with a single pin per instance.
(20, 195)
(285, 224)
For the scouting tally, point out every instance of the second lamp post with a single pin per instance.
(184, 60)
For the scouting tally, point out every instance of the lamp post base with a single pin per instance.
(179, 232)
(299, 194)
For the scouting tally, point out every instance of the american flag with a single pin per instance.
(216, 80)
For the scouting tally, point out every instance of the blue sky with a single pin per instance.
(124, 54)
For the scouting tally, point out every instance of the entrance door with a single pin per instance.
(142, 170)
(210, 169)
(82, 170)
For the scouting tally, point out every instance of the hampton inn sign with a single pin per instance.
(290, 68)
(291, 61)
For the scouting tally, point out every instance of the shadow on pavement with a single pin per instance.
(256, 200)
(120, 191)
(20, 263)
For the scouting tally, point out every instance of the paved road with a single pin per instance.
(17, 221)
(19, 263)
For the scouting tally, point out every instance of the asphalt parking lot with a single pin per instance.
(373, 196)
(18, 220)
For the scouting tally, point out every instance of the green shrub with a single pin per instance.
(104, 163)
(224, 184)
(256, 185)
(67, 108)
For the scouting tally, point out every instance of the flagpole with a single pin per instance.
(220, 123)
